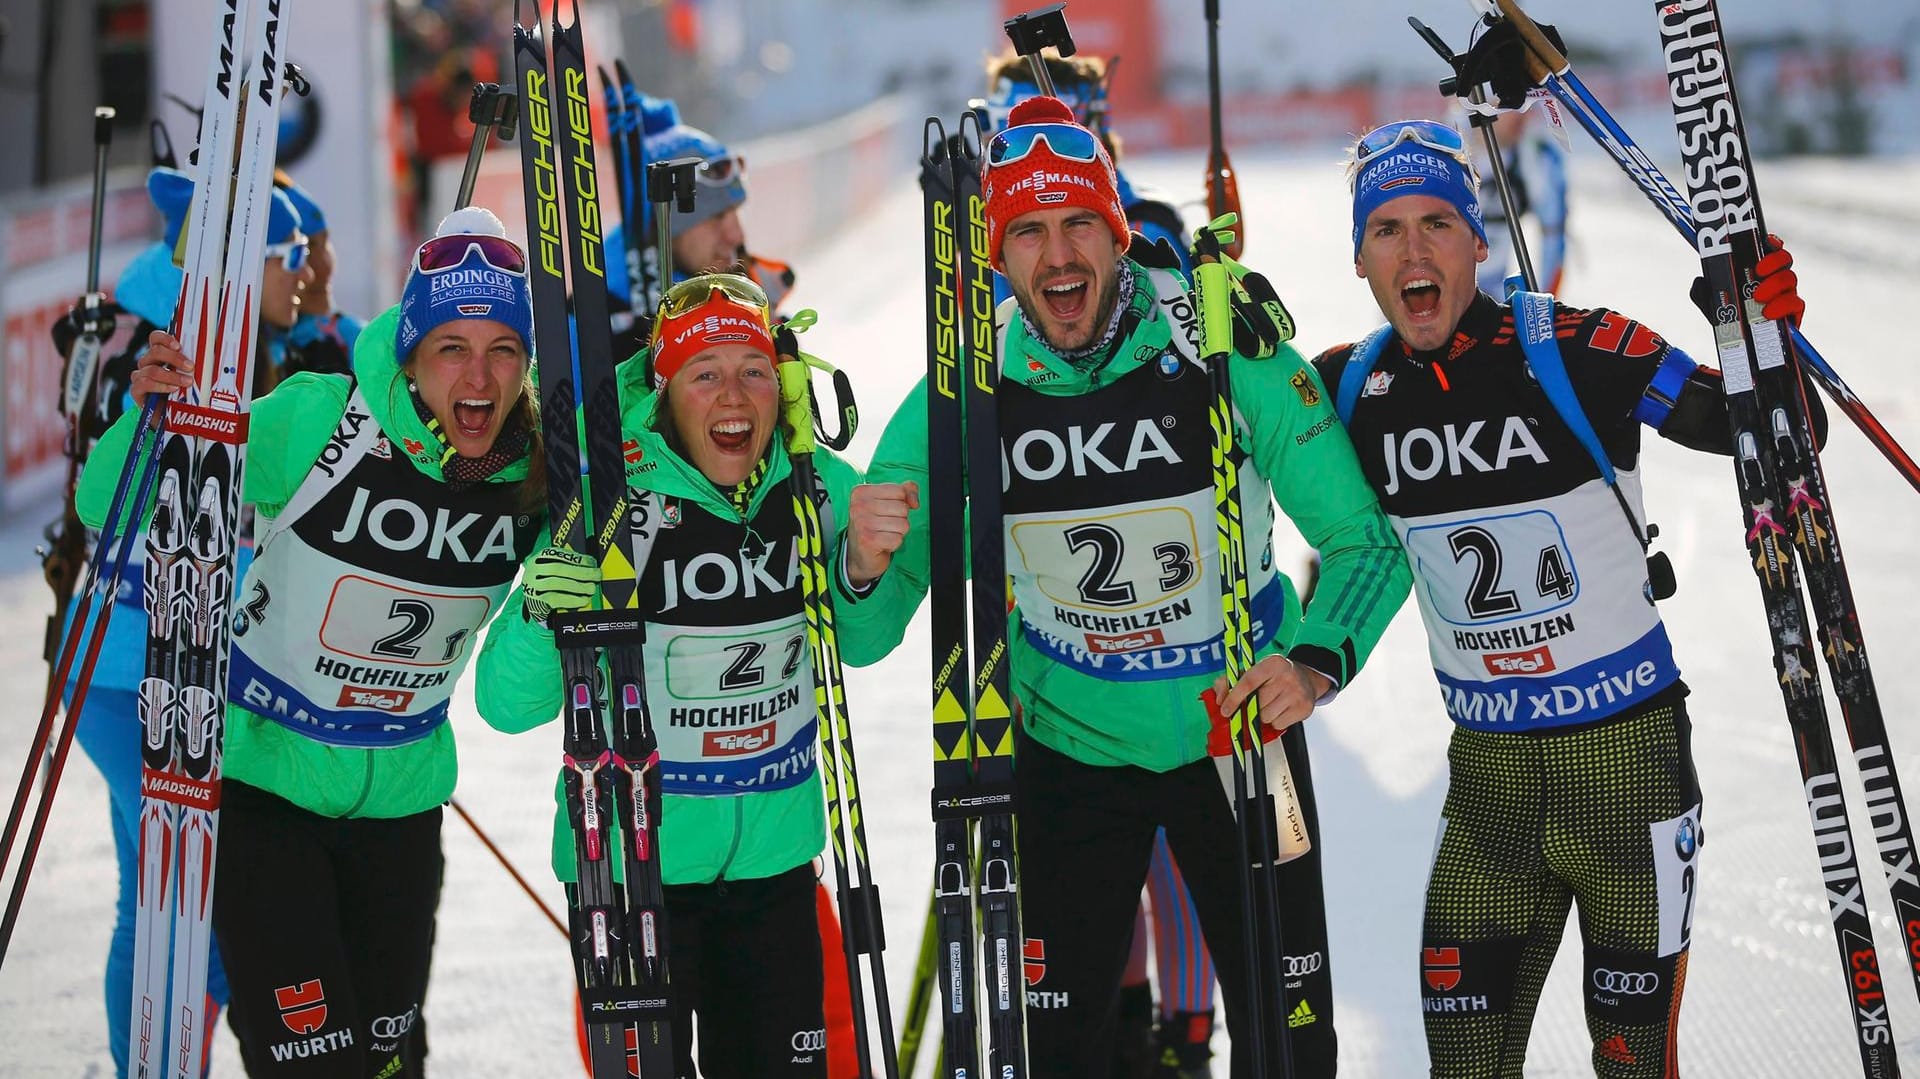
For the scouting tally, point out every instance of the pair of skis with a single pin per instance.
(1783, 491)
(190, 540)
(972, 714)
(610, 760)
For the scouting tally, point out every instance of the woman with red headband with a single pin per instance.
(350, 630)
(729, 683)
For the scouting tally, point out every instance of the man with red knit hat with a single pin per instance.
(1111, 552)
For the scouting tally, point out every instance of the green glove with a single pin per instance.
(559, 579)
(1261, 322)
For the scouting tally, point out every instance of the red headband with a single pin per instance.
(720, 320)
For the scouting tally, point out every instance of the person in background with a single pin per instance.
(322, 338)
(1536, 165)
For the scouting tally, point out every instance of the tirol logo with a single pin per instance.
(1711, 145)
(1041, 455)
(303, 1007)
(1126, 642)
(736, 743)
(386, 700)
(1533, 661)
(1441, 968)
(1377, 384)
(1033, 953)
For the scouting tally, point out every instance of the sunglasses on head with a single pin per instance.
(446, 252)
(695, 291)
(293, 253)
(1069, 141)
(1427, 133)
(721, 171)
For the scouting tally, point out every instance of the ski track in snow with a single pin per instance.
(1765, 994)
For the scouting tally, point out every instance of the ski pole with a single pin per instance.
(1551, 68)
(1260, 843)
(78, 402)
(670, 186)
(120, 516)
(921, 996)
(492, 109)
(501, 857)
(1497, 161)
(1041, 28)
(859, 900)
(1223, 188)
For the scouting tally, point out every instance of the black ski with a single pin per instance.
(1777, 476)
(946, 510)
(973, 719)
(619, 935)
(997, 882)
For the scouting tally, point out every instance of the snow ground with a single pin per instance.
(1765, 995)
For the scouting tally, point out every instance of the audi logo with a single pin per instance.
(1299, 966)
(1630, 983)
(810, 1041)
(389, 1027)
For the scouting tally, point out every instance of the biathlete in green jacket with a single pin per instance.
(729, 681)
(1114, 566)
(392, 517)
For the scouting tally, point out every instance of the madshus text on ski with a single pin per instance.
(656, 539)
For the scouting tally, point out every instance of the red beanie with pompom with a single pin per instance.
(1044, 180)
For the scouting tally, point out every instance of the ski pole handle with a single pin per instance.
(492, 111)
(102, 139)
(83, 359)
(1032, 31)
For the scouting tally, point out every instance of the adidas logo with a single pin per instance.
(1615, 1049)
(1302, 1015)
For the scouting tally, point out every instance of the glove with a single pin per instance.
(1261, 323)
(1499, 60)
(558, 579)
(1776, 287)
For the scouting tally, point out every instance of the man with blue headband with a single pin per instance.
(1504, 443)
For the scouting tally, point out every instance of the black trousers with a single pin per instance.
(326, 927)
(745, 958)
(1086, 836)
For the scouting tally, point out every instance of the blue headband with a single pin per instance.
(1412, 169)
(473, 289)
